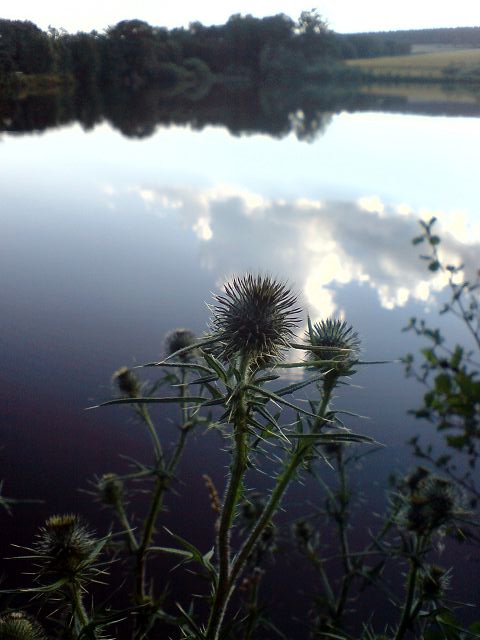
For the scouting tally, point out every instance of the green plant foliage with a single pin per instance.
(230, 381)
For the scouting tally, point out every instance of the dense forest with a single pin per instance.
(465, 37)
(133, 53)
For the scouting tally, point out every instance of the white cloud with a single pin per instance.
(320, 246)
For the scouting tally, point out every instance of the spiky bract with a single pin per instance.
(17, 625)
(66, 549)
(334, 341)
(255, 318)
(179, 339)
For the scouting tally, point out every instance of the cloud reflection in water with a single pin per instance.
(319, 246)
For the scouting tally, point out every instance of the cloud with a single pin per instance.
(320, 246)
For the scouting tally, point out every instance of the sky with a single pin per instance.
(342, 15)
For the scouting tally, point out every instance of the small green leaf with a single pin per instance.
(333, 438)
(276, 398)
(292, 388)
(216, 366)
(174, 400)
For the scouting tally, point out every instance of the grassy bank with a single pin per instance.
(439, 66)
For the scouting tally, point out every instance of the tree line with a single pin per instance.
(456, 36)
(133, 53)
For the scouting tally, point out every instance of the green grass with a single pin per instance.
(462, 65)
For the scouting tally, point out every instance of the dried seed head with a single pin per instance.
(110, 489)
(127, 382)
(430, 502)
(434, 581)
(412, 480)
(179, 339)
(251, 509)
(254, 317)
(215, 502)
(335, 341)
(17, 625)
(65, 548)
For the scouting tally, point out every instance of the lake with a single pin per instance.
(108, 242)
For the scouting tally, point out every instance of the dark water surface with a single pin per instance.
(107, 243)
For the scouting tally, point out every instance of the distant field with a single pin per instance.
(463, 64)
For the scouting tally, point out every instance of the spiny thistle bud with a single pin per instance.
(433, 582)
(17, 625)
(179, 339)
(335, 341)
(251, 509)
(110, 489)
(66, 549)
(332, 449)
(412, 480)
(215, 502)
(254, 318)
(127, 382)
(431, 502)
(303, 533)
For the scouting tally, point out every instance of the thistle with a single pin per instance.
(17, 625)
(431, 503)
(434, 581)
(335, 342)
(66, 550)
(303, 534)
(127, 382)
(179, 339)
(254, 318)
(110, 489)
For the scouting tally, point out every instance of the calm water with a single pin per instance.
(107, 243)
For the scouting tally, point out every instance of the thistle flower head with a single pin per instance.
(304, 534)
(110, 489)
(254, 317)
(17, 625)
(433, 581)
(127, 382)
(430, 502)
(66, 549)
(335, 341)
(179, 339)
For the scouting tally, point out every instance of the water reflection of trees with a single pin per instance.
(273, 108)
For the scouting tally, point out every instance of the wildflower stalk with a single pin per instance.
(232, 498)
(164, 472)
(341, 515)
(282, 482)
(252, 611)
(80, 616)
(145, 415)
(123, 519)
(317, 562)
(407, 613)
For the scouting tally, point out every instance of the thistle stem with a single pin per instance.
(145, 415)
(407, 612)
(123, 519)
(232, 497)
(80, 616)
(282, 482)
